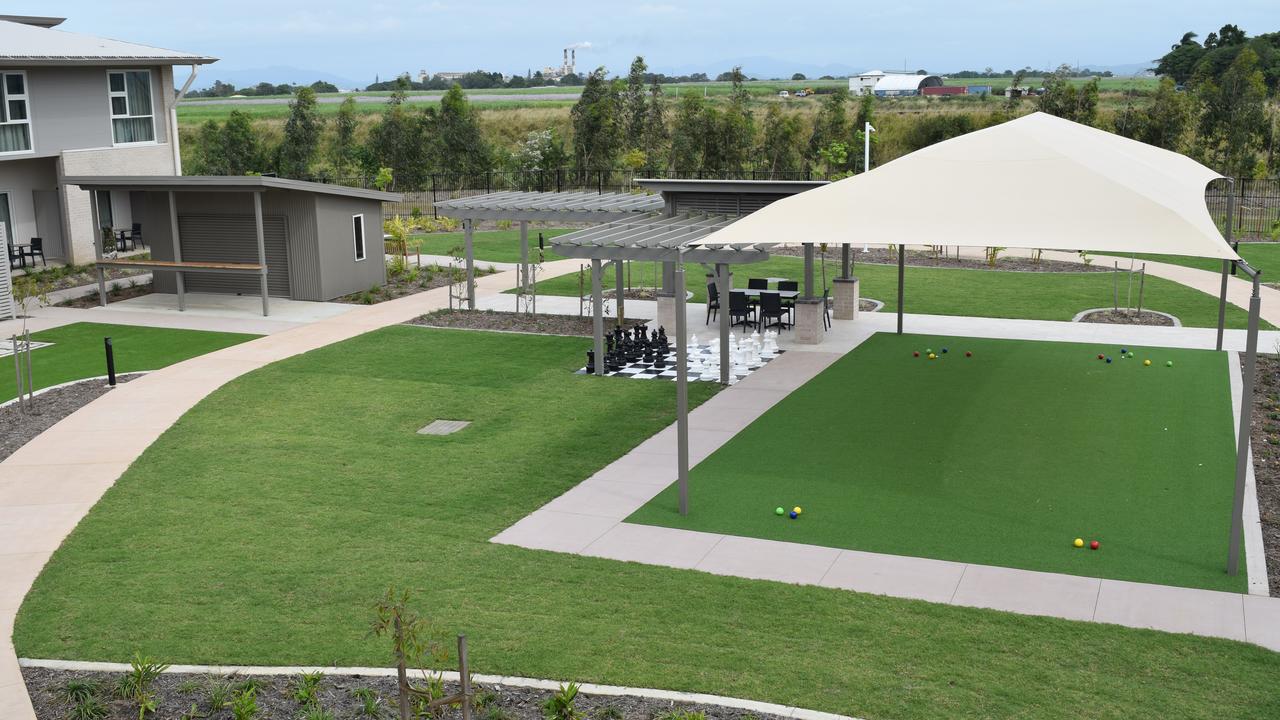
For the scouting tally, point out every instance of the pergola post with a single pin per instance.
(1246, 422)
(666, 296)
(471, 264)
(902, 263)
(179, 283)
(597, 314)
(618, 289)
(682, 390)
(524, 256)
(808, 271)
(846, 263)
(724, 287)
(97, 247)
(1226, 264)
(262, 250)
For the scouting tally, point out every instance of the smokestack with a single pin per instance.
(573, 58)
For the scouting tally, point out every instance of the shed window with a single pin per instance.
(357, 230)
(132, 120)
(15, 119)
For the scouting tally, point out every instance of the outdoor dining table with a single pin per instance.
(21, 250)
(755, 293)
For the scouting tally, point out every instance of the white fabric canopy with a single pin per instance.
(1035, 182)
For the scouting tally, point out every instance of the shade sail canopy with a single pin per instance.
(1047, 183)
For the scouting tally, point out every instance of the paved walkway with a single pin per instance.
(588, 519)
(49, 484)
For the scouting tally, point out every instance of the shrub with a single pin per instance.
(306, 689)
(560, 706)
(79, 690)
(135, 686)
(245, 704)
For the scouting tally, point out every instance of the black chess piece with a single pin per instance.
(648, 353)
(591, 362)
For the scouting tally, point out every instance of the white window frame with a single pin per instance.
(26, 98)
(360, 245)
(111, 113)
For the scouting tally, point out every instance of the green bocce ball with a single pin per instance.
(779, 511)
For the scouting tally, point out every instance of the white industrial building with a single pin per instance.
(886, 84)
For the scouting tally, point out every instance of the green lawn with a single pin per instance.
(999, 459)
(78, 352)
(946, 291)
(1262, 255)
(488, 245)
(262, 527)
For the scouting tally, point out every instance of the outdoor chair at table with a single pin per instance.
(135, 234)
(771, 309)
(35, 248)
(16, 259)
(713, 302)
(740, 308)
(756, 284)
(789, 303)
(122, 240)
(826, 309)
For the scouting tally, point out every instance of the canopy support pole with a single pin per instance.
(723, 288)
(177, 250)
(846, 264)
(470, 257)
(808, 271)
(1246, 420)
(597, 314)
(902, 262)
(1222, 303)
(619, 291)
(682, 388)
(262, 251)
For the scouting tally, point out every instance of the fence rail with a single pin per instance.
(1257, 211)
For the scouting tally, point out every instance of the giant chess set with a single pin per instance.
(6, 346)
(646, 355)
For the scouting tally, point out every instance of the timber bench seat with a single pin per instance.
(184, 265)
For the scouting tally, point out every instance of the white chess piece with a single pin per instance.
(693, 340)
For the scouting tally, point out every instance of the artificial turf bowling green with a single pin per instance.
(993, 459)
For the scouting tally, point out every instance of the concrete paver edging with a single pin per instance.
(787, 711)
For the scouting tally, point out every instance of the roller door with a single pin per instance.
(232, 238)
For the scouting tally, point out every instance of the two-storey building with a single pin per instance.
(74, 105)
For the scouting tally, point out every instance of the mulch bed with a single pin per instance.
(183, 696)
(18, 429)
(1265, 444)
(406, 283)
(1125, 317)
(541, 324)
(127, 292)
(916, 258)
(89, 277)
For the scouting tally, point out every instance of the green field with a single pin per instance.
(77, 351)
(1262, 255)
(488, 245)
(999, 459)
(943, 291)
(263, 526)
(1105, 84)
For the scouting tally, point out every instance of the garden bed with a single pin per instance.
(68, 276)
(541, 324)
(410, 280)
(18, 428)
(1265, 444)
(917, 258)
(341, 697)
(123, 292)
(1109, 316)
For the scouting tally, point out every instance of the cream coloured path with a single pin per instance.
(589, 519)
(49, 484)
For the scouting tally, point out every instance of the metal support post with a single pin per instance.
(682, 389)
(724, 287)
(1246, 423)
(597, 313)
(902, 262)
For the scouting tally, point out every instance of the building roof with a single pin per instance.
(561, 206)
(1110, 194)
(223, 183)
(896, 82)
(37, 20)
(764, 187)
(27, 41)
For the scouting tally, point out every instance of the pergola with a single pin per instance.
(1093, 191)
(524, 206)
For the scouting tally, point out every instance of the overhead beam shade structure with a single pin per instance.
(549, 206)
(1105, 193)
(657, 237)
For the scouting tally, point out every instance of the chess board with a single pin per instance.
(6, 346)
(641, 370)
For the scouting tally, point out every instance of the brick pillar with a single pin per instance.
(845, 300)
(809, 329)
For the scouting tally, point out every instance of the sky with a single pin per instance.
(361, 40)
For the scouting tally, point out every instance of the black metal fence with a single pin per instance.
(1257, 207)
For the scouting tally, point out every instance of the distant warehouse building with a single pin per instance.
(885, 84)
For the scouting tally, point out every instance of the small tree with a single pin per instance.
(415, 644)
(301, 135)
(29, 292)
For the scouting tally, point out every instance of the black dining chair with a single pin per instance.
(826, 309)
(713, 302)
(16, 259)
(789, 304)
(135, 235)
(36, 248)
(122, 241)
(757, 283)
(740, 308)
(771, 309)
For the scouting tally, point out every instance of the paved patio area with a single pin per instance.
(588, 519)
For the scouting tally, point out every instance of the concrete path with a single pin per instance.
(589, 519)
(49, 484)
